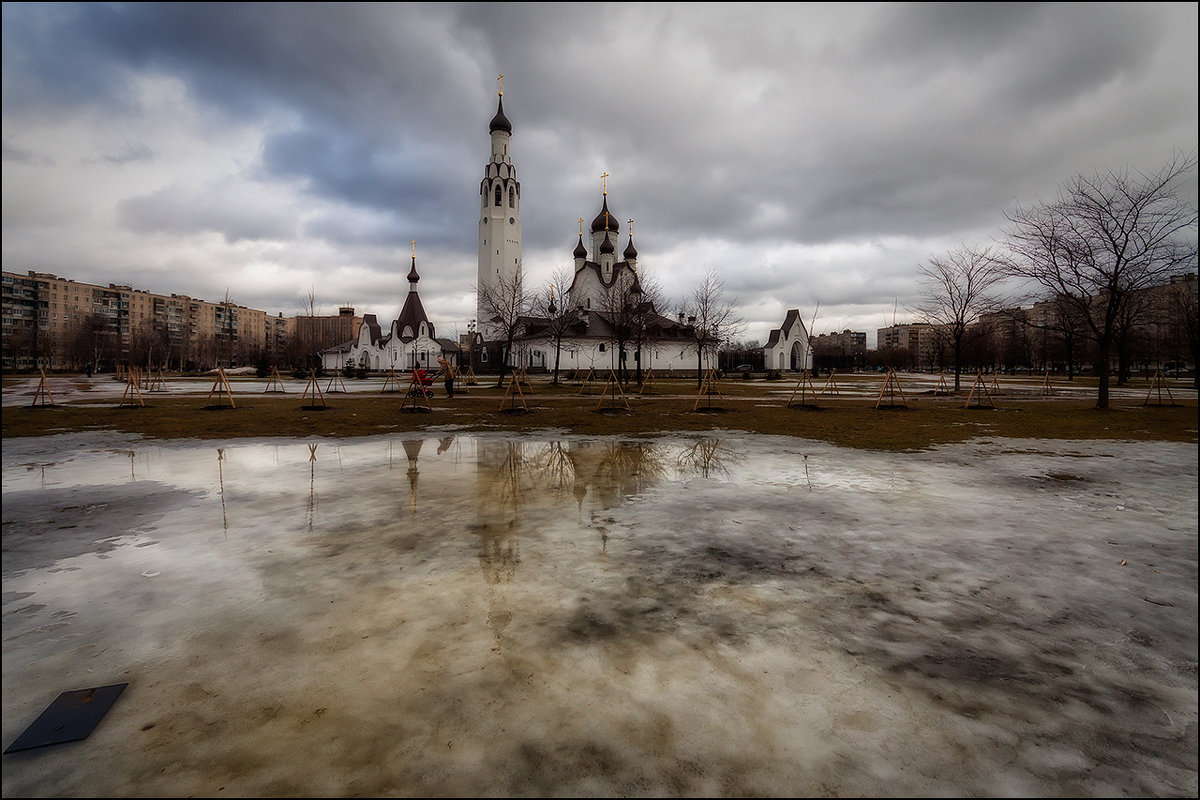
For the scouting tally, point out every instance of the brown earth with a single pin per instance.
(756, 407)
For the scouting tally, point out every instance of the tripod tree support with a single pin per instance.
(891, 387)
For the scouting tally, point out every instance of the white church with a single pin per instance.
(592, 338)
(602, 292)
(409, 343)
(788, 347)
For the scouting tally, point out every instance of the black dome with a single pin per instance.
(607, 246)
(500, 122)
(630, 250)
(580, 250)
(413, 277)
(602, 222)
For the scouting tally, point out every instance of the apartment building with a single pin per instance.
(320, 332)
(918, 338)
(61, 323)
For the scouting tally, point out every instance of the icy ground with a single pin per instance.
(484, 615)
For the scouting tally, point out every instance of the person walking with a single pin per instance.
(448, 372)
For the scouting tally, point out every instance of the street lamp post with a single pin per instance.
(471, 351)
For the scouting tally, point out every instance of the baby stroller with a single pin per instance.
(421, 384)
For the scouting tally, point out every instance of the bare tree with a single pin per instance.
(505, 307)
(555, 318)
(958, 288)
(310, 310)
(646, 324)
(1105, 238)
(620, 306)
(710, 318)
(1182, 307)
(226, 335)
(1065, 322)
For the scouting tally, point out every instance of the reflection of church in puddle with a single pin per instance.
(520, 483)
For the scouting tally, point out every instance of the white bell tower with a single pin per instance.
(499, 217)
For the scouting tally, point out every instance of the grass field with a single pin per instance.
(848, 418)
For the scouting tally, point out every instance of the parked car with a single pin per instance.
(743, 368)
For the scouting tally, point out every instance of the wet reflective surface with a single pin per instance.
(494, 615)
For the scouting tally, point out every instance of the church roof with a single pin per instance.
(617, 267)
(605, 220)
(595, 324)
(500, 122)
(580, 250)
(371, 324)
(792, 318)
(413, 313)
(785, 330)
(606, 246)
(630, 251)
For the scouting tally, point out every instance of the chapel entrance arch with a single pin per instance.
(797, 357)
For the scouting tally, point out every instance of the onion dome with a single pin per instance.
(607, 246)
(580, 250)
(630, 251)
(500, 122)
(605, 220)
(413, 277)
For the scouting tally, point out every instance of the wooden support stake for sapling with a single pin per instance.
(42, 394)
(980, 386)
(709, 386)
(891, 385)
(803, 386)
(616, 385)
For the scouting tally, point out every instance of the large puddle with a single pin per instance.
(492, 615)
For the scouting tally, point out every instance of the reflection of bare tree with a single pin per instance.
(626, 468)
(312, 484)
(221, 480)
(707, 458)
(551, 467)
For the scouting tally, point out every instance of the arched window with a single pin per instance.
(512, 197)
(497, 194)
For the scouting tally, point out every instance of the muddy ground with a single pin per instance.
(492, 615)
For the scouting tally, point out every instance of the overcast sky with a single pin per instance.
(806, 153)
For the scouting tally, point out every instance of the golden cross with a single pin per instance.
(500, 83)
(414, 244)
(581, 226)
(604, 178)
(631, 229)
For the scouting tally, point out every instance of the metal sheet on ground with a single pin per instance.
(71, 717)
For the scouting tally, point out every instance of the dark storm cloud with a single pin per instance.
(22, 155)
(755, 129)
(134, 151)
